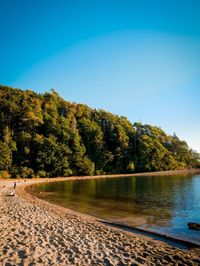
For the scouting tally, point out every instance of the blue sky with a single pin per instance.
(140, 59)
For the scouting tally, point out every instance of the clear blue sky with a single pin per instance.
(135, 58)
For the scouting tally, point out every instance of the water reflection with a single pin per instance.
(163, 203)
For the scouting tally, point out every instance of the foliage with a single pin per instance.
(4, 175)
(5, 156)
(43, 135)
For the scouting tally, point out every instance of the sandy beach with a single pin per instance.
(35, 232)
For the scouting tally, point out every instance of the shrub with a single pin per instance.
(4, 174)
(26, 172)
(42, 173)
(131, 167)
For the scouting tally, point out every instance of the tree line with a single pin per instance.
(42, 135)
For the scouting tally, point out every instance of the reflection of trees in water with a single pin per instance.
(158, 198)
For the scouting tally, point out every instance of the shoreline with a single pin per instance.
(60, 236)
(57, 179)
(171, 240)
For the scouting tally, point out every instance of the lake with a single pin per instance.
(164, 204)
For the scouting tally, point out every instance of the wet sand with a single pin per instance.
(35, 232)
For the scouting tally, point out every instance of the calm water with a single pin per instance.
(160, 203)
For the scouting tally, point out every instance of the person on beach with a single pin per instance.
(15, 184)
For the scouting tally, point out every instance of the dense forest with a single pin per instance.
(42, 135)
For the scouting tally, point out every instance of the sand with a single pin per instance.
(35, 232)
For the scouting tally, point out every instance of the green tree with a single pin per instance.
(44, 135)
(6, 156)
